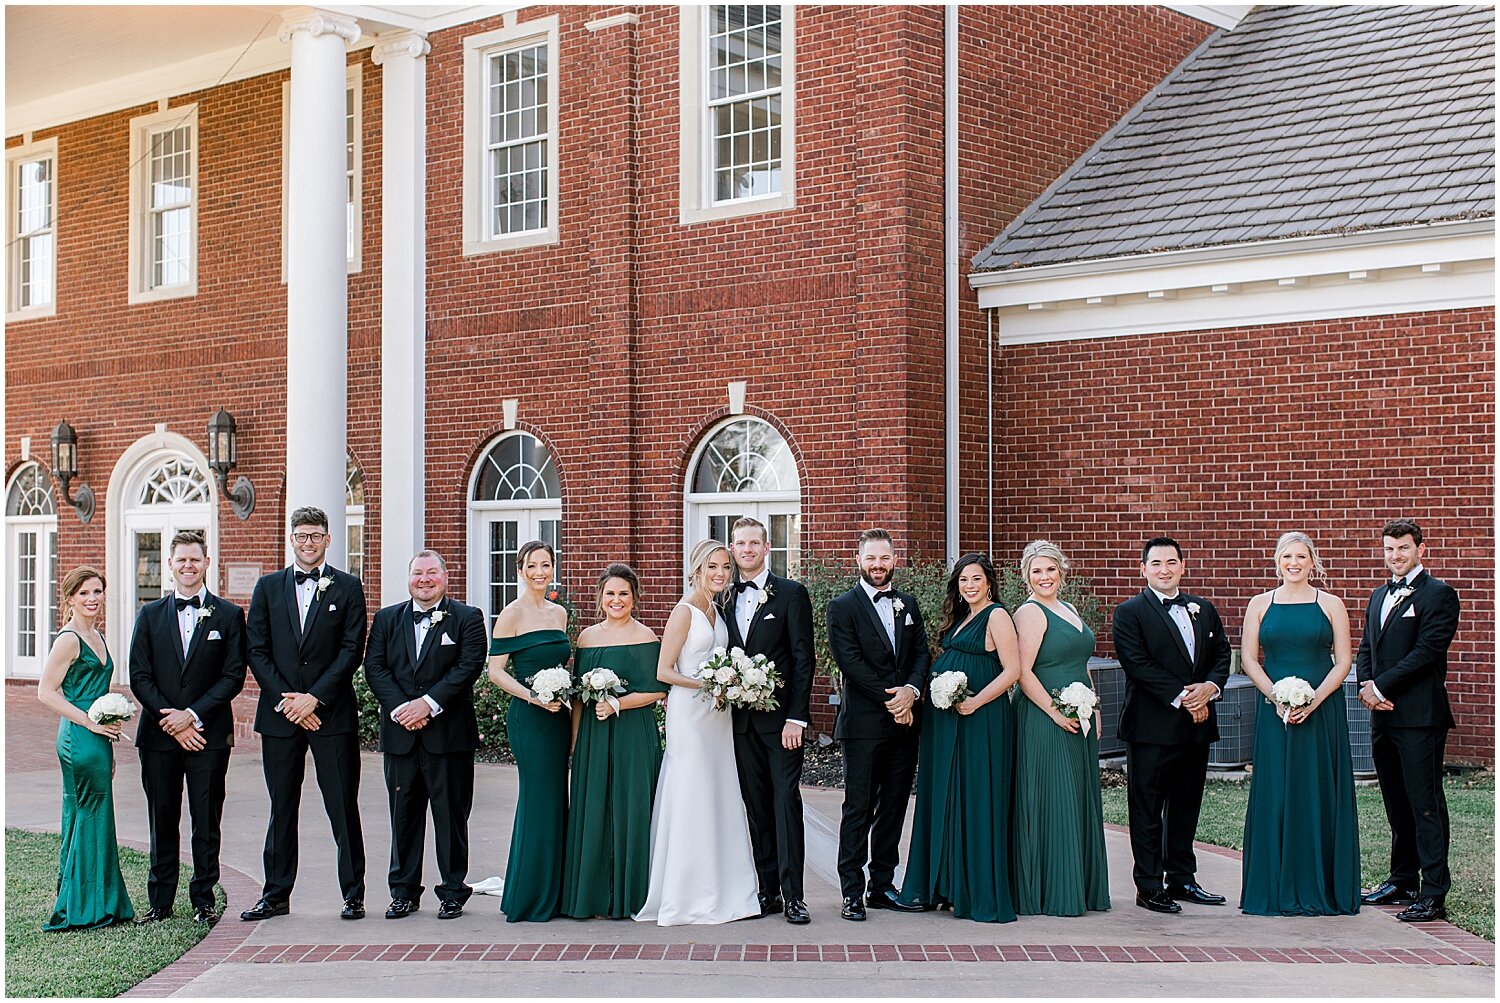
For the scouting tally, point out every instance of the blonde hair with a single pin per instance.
(698, 556)
(1287, 539)
(1043, 548)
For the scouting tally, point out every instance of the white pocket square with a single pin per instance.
(769, 616)
(1410, 611)
(214, 635)
(445, 639)
(908, 622)
(331, 607)
(1210, 633)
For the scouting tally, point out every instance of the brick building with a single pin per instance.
(611, 276)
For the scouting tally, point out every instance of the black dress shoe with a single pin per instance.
(265, 909)
(153, 916)
(205, 916)
(769, 904)
(353, 909)
(889, 900)
(1193, 893)
(853, 909)
(400, 909)
(1424, 910)
(1389, 894)
(1157, 902)
(796, 912)
(450, 909)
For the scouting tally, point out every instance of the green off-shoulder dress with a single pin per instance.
(539, 740)
(960, 831)
(615, 762)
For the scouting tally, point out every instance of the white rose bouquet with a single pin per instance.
(1077, 700)
(735, 679)
(601, 684)
(1290, 693)
(111, 708)
(949, 689)
(552, 684)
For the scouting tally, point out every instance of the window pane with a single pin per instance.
(26, 594)
(517, 468)
(504, 544)
(746, 455)
(147, 568)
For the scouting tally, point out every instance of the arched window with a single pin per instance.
(515, 497)
(31, 574)
(746, 468)
(354, 518)
(167, 493)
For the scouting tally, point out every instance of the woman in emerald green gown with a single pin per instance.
(1301, 826)
(960, 842)
(616, 757)
(90, 889)
(531, 635)
(1059, 866)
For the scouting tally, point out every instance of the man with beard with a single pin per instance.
(878, 639)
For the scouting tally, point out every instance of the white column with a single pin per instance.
(402, 58)
(317, 296)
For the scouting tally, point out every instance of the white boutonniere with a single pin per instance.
(762, 596)
(324, 582)
(1401, 594)
(204, 613)
(898, 607)
(1193, 610)
(437, 616)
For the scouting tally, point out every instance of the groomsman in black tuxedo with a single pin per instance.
(1176, 661)
(187, 662)
(423, 659)
(1402, 667)
(879, 641)
(772, 616)
(306, 634)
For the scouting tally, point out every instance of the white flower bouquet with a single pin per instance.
(734, 679)
(1077, 700)
(111, 708)
(1290, 693)
(601, 684)
(949, 689)
(552, 684)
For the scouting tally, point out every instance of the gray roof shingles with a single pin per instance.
(1302, 120)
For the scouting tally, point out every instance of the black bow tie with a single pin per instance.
(887, 594)
(744, 584)
(1178, 600)
(304, 576)
(1396, 583)
(183, 604)
(418, 615)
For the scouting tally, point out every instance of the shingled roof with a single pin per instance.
(1300, 121)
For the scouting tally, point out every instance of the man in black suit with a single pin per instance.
(422, 662)
(1176, 661)
(1402, 666)
(187, 662)
(879, 641)
(306, 634)
(772, 616)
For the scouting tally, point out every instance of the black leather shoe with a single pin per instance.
(153, 916)
(265, 909)
(888, 900)
(1424, 910)
(769, 904)
(1157, 902)
(796, 912)
(205, 916)
(1194, 894)
(1389, 894)
(854, 910)
(450, 910)
(400, 909)
(353, 909)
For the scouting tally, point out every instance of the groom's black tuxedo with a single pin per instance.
(781, 629)
(1407, 659)
(318, 656)
(204, 679)
(1166, 752)
(880, 756)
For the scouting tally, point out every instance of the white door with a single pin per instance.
(515, 496)
(31, 571)
(744, 467)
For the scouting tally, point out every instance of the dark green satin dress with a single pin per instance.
(1059, 867)
(539, 740)
(1301, 826)
(960, 835)
(90, 889)
(606, 866)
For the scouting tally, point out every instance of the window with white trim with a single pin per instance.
(31, 574)
(746, 468)
(516, 497)
(354, 152)
(164, 205)
(31, 230)
(354, 518)
(510, 133)
(737, 110)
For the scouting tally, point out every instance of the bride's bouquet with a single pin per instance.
(1077, 700)
(1290, 693)
(552, 684)
(734, 679)
(111, 708)
(949, 689)
(601, 684)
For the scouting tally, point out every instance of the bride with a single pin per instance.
(702, 870)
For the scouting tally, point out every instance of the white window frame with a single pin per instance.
(695, 167)
(45, 149)
(698, 506)
(477, 50)
(529, 512)
(354, 518)
(45, 606)
(142, 129)
(355, 225)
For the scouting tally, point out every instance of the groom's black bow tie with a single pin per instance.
(887, 594)
(418, 615)
(1396, 583)
(1178, 600)
(183, 604)
(744, 584)
(303, 576)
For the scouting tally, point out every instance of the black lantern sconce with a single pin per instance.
(65, 468)
(222, 458)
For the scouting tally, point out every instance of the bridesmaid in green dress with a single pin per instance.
(960, 842)
(1301, 827)
(531, 635)
(90, 890)
(1059, 864)
(616, 757)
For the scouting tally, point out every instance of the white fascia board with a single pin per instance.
(1220, 15)
(398, 16)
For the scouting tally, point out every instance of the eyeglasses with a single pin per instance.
(308, 537)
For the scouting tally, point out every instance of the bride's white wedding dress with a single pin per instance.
(702, 869)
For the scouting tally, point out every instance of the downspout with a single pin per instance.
(950, 280)
(989, 433)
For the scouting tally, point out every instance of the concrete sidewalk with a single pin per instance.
(1125, 952)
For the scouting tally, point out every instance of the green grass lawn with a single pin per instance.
(1471, 856)
(100, 962)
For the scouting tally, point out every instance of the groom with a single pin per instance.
(772, 616)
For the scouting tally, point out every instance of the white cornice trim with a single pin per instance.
(613, 22)
(1220, 15)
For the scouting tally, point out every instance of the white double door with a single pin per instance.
(496, 536)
